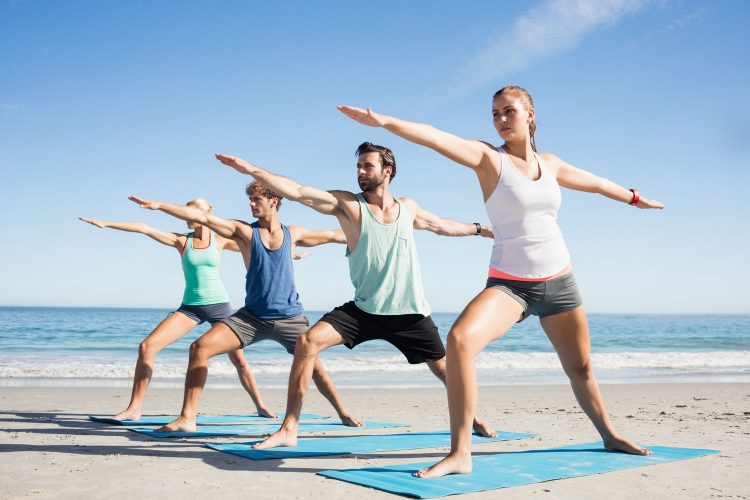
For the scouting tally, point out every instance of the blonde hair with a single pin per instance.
(525, 97)
(201, 204)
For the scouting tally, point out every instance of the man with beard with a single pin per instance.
(389, 302)
(272, 308)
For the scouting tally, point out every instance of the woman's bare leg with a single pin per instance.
(248, 382)
(569, 333)
(487, 317)
(171, 329)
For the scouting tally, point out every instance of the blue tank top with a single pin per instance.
(269, 283)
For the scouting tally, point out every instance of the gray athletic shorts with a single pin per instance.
(212, 313)
(541, 298)
(251, 329)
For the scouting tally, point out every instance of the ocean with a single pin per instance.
(98, 347)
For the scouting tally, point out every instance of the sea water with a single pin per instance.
(98, 347)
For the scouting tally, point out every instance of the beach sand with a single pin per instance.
(51, 450)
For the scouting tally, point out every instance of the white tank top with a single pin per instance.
(528, 241)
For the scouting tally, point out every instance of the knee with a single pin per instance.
(581, 371)
(460, 342)
(146, 350)
(198, 350)
(307, 346)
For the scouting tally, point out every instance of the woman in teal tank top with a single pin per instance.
(204, 299)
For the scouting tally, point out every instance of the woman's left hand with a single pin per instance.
(646, 203)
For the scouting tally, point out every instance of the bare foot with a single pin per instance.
(179, 425)
(625, 446)
(265, 412)
(351, 421)
(484, 430)
(279, 438)
(452, 464)
(128, 414)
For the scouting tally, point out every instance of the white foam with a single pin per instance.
(503, 363)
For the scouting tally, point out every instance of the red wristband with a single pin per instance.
(636, 197)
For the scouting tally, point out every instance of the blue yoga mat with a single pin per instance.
(260, 429)
(510, 469)
(346, 445)
(202, 419)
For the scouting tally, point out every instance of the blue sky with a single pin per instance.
(101, 100)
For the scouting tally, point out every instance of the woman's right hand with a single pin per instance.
(93, 222)
(364, 116)
(144, 203)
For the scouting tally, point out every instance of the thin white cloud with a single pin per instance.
(554, 27)
(683, 21)
(12, 107)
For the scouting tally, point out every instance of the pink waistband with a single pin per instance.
(494, 273)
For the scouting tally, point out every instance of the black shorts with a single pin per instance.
(415, 335)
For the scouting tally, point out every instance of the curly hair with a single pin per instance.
(257, 188)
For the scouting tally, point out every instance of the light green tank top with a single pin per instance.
(200, 266)
(384, 267)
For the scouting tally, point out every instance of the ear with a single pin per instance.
(532, 114)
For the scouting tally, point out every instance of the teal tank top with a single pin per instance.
(203, 284)
(384, 267)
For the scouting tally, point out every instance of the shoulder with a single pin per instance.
(550, 160)
(547, 156)
(243, 228)
(298, 232)
(485, 146)
(243, 224)
(491, 157)
(343, 195)
(410, 203)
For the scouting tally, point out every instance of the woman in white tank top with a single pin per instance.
(521, 193)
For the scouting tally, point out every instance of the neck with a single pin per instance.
(270, 222)
(381, 196)
(200, 231)
(520, 149)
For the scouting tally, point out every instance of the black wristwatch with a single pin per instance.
(479, 229)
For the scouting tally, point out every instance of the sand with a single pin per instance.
(51, 450)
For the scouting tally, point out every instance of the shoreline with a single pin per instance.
(51, 450)
(423, 381)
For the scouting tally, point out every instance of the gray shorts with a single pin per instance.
(251, 329)
(212, 313)
(541, 298)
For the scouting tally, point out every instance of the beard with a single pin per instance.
(367, 185)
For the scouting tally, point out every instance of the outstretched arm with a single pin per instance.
(580, 180)
(322, 201)
(308, 238)
(222, 227)
(169, 239)
(463, 151)
(445, 227)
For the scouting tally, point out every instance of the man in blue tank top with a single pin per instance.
(272, 308)
(389, 302)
